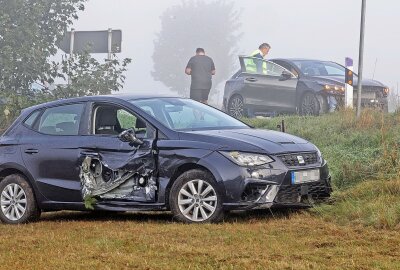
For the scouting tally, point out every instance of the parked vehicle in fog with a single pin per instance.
(130, 153)
(303, 86)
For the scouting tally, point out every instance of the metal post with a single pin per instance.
(109, 43)
(71, 50)
(361, 58)
(71, 43)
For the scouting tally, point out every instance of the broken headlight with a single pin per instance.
(247, 159)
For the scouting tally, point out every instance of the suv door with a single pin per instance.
(117, 159)
(268, 86)
(50, 151)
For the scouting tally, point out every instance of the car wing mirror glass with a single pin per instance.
(129, 136)
(285, 76)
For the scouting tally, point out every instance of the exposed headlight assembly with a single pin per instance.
(247, 159)
(334, 88)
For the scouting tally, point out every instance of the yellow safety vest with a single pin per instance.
(251, 64)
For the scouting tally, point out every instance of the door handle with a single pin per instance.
(251, 79)
(88, 153)
(31, 151)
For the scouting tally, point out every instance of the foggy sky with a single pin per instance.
(318, 29)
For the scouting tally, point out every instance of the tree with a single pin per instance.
(29, 33)
(211, 25)
(88, 77)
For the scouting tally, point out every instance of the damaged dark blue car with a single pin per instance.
(131, 153)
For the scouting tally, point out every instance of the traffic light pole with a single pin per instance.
(361, 58)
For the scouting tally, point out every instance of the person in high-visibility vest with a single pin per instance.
(254, 66)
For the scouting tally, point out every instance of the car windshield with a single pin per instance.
(186, 114)
(320, 68)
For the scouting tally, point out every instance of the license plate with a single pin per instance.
(305, 176)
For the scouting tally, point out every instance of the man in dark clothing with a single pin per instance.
(201, 68)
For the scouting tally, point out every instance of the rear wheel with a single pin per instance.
(194, 198)
(236, 107)
(309, 104)
(17, 202)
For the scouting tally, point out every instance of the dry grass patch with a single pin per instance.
(255, 240)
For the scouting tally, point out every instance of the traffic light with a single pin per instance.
(349, 77)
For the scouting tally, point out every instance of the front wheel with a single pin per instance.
(17, 202)
(194, 198)
(236, 107)
(309, 105)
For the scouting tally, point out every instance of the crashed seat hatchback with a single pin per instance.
(131, 153)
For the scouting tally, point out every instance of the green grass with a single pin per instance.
(363, 157)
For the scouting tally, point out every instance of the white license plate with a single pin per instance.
(305, 176)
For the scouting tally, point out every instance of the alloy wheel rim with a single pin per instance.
(197, 200)
(236, 107)
(308, 105)
(13, 202)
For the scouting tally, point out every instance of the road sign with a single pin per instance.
(92, 41)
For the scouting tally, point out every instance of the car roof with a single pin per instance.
(113, 97)
(300, 59)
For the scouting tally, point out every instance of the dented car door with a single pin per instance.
(113, 168)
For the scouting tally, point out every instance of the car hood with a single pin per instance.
(341, 80)
(252, 140)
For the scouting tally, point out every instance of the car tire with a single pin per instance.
(236, 107)
(309, 105)
(17, 201)
(194, 198)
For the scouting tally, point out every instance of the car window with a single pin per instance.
(112, 120)
(320, 68)
(61, 120)
(187, 114)
(259, 66)
(287, 66)
(184, 117)
(31, 119)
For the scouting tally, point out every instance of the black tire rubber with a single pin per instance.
(32, 212)
(217, 216)
(314, 109)
(243, 114)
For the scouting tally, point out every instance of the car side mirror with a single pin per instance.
(129, 136)
(285, 76)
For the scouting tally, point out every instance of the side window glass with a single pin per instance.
(260, 66)
(273, 69)
(112, 120)
(61, 120)
(126, 119)
(31, 119)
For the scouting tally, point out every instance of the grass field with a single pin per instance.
(256, 240)
(359, 230)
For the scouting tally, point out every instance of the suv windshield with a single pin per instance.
(186, 114)
(320, 68)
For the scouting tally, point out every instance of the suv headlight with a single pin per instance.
(247, 159)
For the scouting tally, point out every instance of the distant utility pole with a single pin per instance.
(361, 58)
